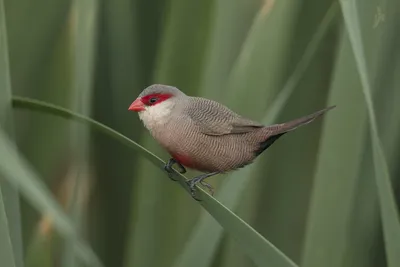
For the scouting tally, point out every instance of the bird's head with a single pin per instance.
(156, 102)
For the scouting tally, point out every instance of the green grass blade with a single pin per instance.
(122, 65)
(178, 63)
(84, 29)
(41, 106)
(174, 58)
(388, 208)
(331, 204)
(10, 216)
(258, 73)
(40, 252)
(207, 234)
(6, 247)
(232, 20)
(18, 172)
(31, 46)
(5, 80)
(257, 247)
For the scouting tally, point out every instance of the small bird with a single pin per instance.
(204, 135)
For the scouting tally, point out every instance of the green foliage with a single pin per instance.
(323, 195)
(256, 246)
(10, 216)
(389, 210)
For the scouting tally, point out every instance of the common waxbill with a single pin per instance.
(203, 134)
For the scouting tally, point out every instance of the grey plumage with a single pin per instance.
(207, 136)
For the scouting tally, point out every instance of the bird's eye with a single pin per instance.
(153, 100)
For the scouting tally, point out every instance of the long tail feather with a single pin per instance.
(275, 131)
(294, 124)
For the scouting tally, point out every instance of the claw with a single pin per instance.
(182, 169)
(192, 188)
(200, 179)
(208, 186)
(168, 168)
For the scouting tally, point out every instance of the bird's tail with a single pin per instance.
(275, 131)
(294, 124)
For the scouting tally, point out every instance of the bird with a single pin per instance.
(204, 135)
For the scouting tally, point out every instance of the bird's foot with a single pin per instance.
(200, 179)
(168, 168)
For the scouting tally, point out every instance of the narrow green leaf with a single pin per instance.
(30, 41)
(259, 71)
(84, 29)
(232, 20)
(257, 247)
(5, 80)
(331, 203)
(18, 172)
(180, 60)
(177, 63)
(206, 233)
(388, 208)
(10, 216)
(40, 252)
(6, 249)
(122, 66)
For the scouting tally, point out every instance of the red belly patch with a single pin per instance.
(184, 160)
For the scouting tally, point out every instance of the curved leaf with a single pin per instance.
(18, 172)
(255, 245)
(206, 234)
(388, 208)
(83, 35)
(11, 251)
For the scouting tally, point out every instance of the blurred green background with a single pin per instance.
(313, 194)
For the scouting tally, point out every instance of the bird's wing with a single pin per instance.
(213, 118)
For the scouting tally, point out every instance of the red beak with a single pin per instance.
(137, 105)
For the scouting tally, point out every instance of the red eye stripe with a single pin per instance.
(149, 99)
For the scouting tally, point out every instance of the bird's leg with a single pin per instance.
(200, 179)
(171, 162)
(168, 167)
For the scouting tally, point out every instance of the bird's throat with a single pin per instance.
(156, 116)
